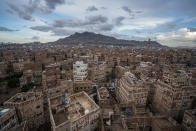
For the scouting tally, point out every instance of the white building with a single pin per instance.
(80, 71)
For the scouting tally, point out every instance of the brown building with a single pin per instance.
(165, 124)
(86, 86)
(8, 118)
(174, 94)
(131, 90)
(29, 107)
(103, 97)
(189, 120)
(77, 112)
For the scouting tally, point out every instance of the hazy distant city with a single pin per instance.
(95, 65)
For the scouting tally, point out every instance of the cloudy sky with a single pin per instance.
(170, 22)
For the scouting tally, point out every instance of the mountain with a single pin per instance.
(89, 38)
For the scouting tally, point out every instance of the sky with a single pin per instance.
(170, 22)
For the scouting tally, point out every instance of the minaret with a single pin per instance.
(148, 45)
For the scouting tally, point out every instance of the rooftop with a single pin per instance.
(71, 108)
(22, 97)
(103, 93)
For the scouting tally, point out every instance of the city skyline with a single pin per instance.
(171, 23)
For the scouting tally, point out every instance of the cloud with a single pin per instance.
(9, 11)
(139, 12)
(6, 29)
(64, 27)
(143, 23)
(53, 3)
(138, 32)
(91, 8)
(42, 28)
(106, 27)
(127, 9)
(26, 11)
(104, 8)
(55, 31)
(35, 38)
(91, 20)
(180, 37)
(192, 29)
(21, 13)
(62, 32)
(97, 19)
(118, 20)
(171, 26)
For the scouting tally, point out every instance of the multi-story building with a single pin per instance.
(103, 97)
(174, 94)
(131, 90)
(80, 71)
(29, 107)
(189, 120)
(53, 85)
(165, 124)
(98, 73)
(8, 118)
(86, 86)
(52, 74)
(77, 112)
(27, 78)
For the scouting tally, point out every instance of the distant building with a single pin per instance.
(80, 71)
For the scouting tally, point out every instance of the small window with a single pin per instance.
(38, 106)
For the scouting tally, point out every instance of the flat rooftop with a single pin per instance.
(24, 96)
(71, 108)
(103, 93)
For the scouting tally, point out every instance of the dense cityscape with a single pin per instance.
(97, 65)
(109, 88)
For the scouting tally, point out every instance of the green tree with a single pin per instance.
(9, 69)
(14, 82)
(27, 87)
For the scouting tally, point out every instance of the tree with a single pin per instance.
(107, 76)
(14, 82)
(113, 75)
(9, 69)
(27, 87)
